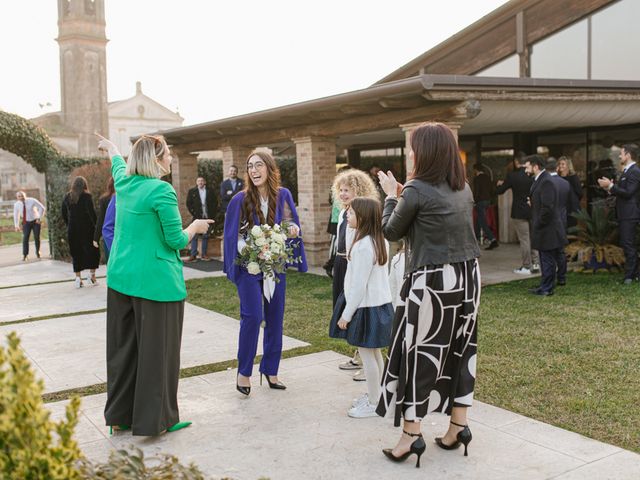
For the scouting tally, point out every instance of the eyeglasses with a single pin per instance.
(256, 166)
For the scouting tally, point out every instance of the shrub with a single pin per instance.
(28, 449)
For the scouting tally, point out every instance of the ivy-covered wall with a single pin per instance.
(30, 142)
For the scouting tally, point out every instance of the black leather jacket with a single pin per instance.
(436, 222)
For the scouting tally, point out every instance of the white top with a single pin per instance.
(351, 232)
(203, 200)
(366, 284)
(35, 210)
(396, 277)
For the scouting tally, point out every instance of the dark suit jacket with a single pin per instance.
(520, 184)
(548, 230)
(194, 205)
(227, 191)
(564, 197)
(627, 192)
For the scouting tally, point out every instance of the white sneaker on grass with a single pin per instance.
(364, 410)
(522, 271)
(361, 399)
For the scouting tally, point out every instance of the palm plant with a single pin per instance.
(595, 236)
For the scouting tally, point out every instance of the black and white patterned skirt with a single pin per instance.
(432, 359)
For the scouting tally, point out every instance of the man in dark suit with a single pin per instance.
(548, 233)
(482, 187)
(520, 184)
(230, 186)
(564, 198)
(627, 193)
(201, 203)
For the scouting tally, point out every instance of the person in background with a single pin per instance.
(146, 292)
(482, 197)
(566, 171)
(520, 184)
(27, 217)
(564, 194)
(80, 216)
(229, 187)
(104, 201)
(627, 193)
(201, 203)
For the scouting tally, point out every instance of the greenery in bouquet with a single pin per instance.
(267, 250)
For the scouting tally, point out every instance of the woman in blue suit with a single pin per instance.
(262, 201)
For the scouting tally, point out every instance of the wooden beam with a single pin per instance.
(361, 109)
(442, 111)
(528, 95)
(409, 102)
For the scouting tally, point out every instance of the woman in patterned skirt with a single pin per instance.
(432, 359)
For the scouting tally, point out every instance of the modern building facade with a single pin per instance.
(558, 77)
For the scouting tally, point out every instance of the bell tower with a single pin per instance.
(83, 70)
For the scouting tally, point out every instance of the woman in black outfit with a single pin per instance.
(566, 171)
(103, 204)
(432, 359)
(80, 216)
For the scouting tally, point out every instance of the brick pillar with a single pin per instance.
(235, 155)
(408, 130)
(316, 163)
(184, 171)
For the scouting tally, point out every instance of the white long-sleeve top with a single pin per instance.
(366, 284)
(35, 211)
(396, 277)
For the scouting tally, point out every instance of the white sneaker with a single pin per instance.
(361, 399)
(522, 271)
(359, 376)
(78, 282)
(92, 282)
(364, 410)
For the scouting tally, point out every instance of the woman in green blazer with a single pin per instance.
(146, 291)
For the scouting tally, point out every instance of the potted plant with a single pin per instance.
(594, 239)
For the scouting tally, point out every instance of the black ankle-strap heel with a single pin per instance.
(462, 438)
(418, 447)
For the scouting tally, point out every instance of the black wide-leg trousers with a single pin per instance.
(143, 363)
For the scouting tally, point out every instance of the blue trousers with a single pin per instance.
(550, 263)
(253, 309)
(627, 229)
(194, 244)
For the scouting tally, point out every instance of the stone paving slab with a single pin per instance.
(35, 272)
(69, 352)
(304, 432)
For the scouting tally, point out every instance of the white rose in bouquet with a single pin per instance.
(260, 241)
(256, 232)
(276, 228)
(253, 268)
(275, 248)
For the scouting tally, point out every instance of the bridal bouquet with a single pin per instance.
(267, 251)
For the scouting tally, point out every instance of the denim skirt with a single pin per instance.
(370, 327)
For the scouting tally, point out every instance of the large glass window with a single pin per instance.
(509, 67)
(563, 54)
(615, 45)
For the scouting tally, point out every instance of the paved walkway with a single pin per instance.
(302, 432)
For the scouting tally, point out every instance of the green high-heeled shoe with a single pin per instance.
(178, 426)
(120, 428)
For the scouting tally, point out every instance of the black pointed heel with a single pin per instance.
(462, 438)
(275, 385)
(243, 390)
(418, 447)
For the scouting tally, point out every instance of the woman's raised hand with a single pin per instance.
(106, 145)
(388, 183)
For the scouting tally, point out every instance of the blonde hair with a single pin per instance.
(358, 180)
(143, 159)
(569, 164)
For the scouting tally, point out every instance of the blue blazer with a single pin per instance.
(232, 228)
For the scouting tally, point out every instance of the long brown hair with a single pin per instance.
(251, 203)
(369, 216)
(436, 156)
(110, 191)
(78, 187)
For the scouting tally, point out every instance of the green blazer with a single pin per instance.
(145, 260)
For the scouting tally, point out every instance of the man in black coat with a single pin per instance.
(627, 193)
(229, 187)
(564, 199)
(520, 184)
(548, 233)
(482, 197)
(201, 203)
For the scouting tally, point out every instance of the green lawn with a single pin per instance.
(13, 237)
(571, 360)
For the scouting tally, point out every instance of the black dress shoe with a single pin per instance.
(562, 283)
(542, 293)
(492, 245)
(243, 390)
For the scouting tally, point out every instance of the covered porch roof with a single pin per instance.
(373, 116)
